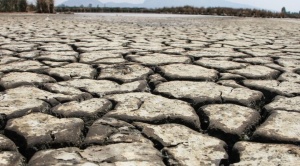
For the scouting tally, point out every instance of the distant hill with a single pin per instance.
(111, 4)
(195, 3)
(160, 3)
(82, 2)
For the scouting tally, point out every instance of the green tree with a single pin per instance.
(9, 5)
(45, 6)
(22, 5)
(5, 7)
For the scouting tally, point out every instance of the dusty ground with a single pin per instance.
(86, 90)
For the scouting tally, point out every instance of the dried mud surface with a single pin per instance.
(115, 91)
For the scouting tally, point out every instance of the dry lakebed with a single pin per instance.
(134, 90)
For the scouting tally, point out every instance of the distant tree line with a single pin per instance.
(13, 5)
(222, 11)
(47, 6)
(290, 14)
(41, 6)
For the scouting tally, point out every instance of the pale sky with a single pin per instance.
(290, 5)
(131, 1)
(276, 5)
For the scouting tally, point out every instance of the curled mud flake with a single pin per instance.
(125, 73)
(105, 87)
(72, 71)
(38, 129)
(228, 121)
(145, 107)
(201, 93)
(116, 154)
(159, 59)
(88, 110)
(110, 130)
(257, 72)
(188, 72)
(15, 79)
(8, 158)
(284, 103)
(284, 88)
(185, 146)
(280, 127)
(260, 154)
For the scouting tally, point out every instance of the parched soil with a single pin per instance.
(137, 91)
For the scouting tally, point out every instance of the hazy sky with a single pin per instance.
(131, 1)
(290, 5)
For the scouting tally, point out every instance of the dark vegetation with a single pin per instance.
(183, 10)
(13, 5)
(41, 6)
(47, 6)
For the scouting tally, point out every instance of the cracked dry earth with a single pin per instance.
(134, 91)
